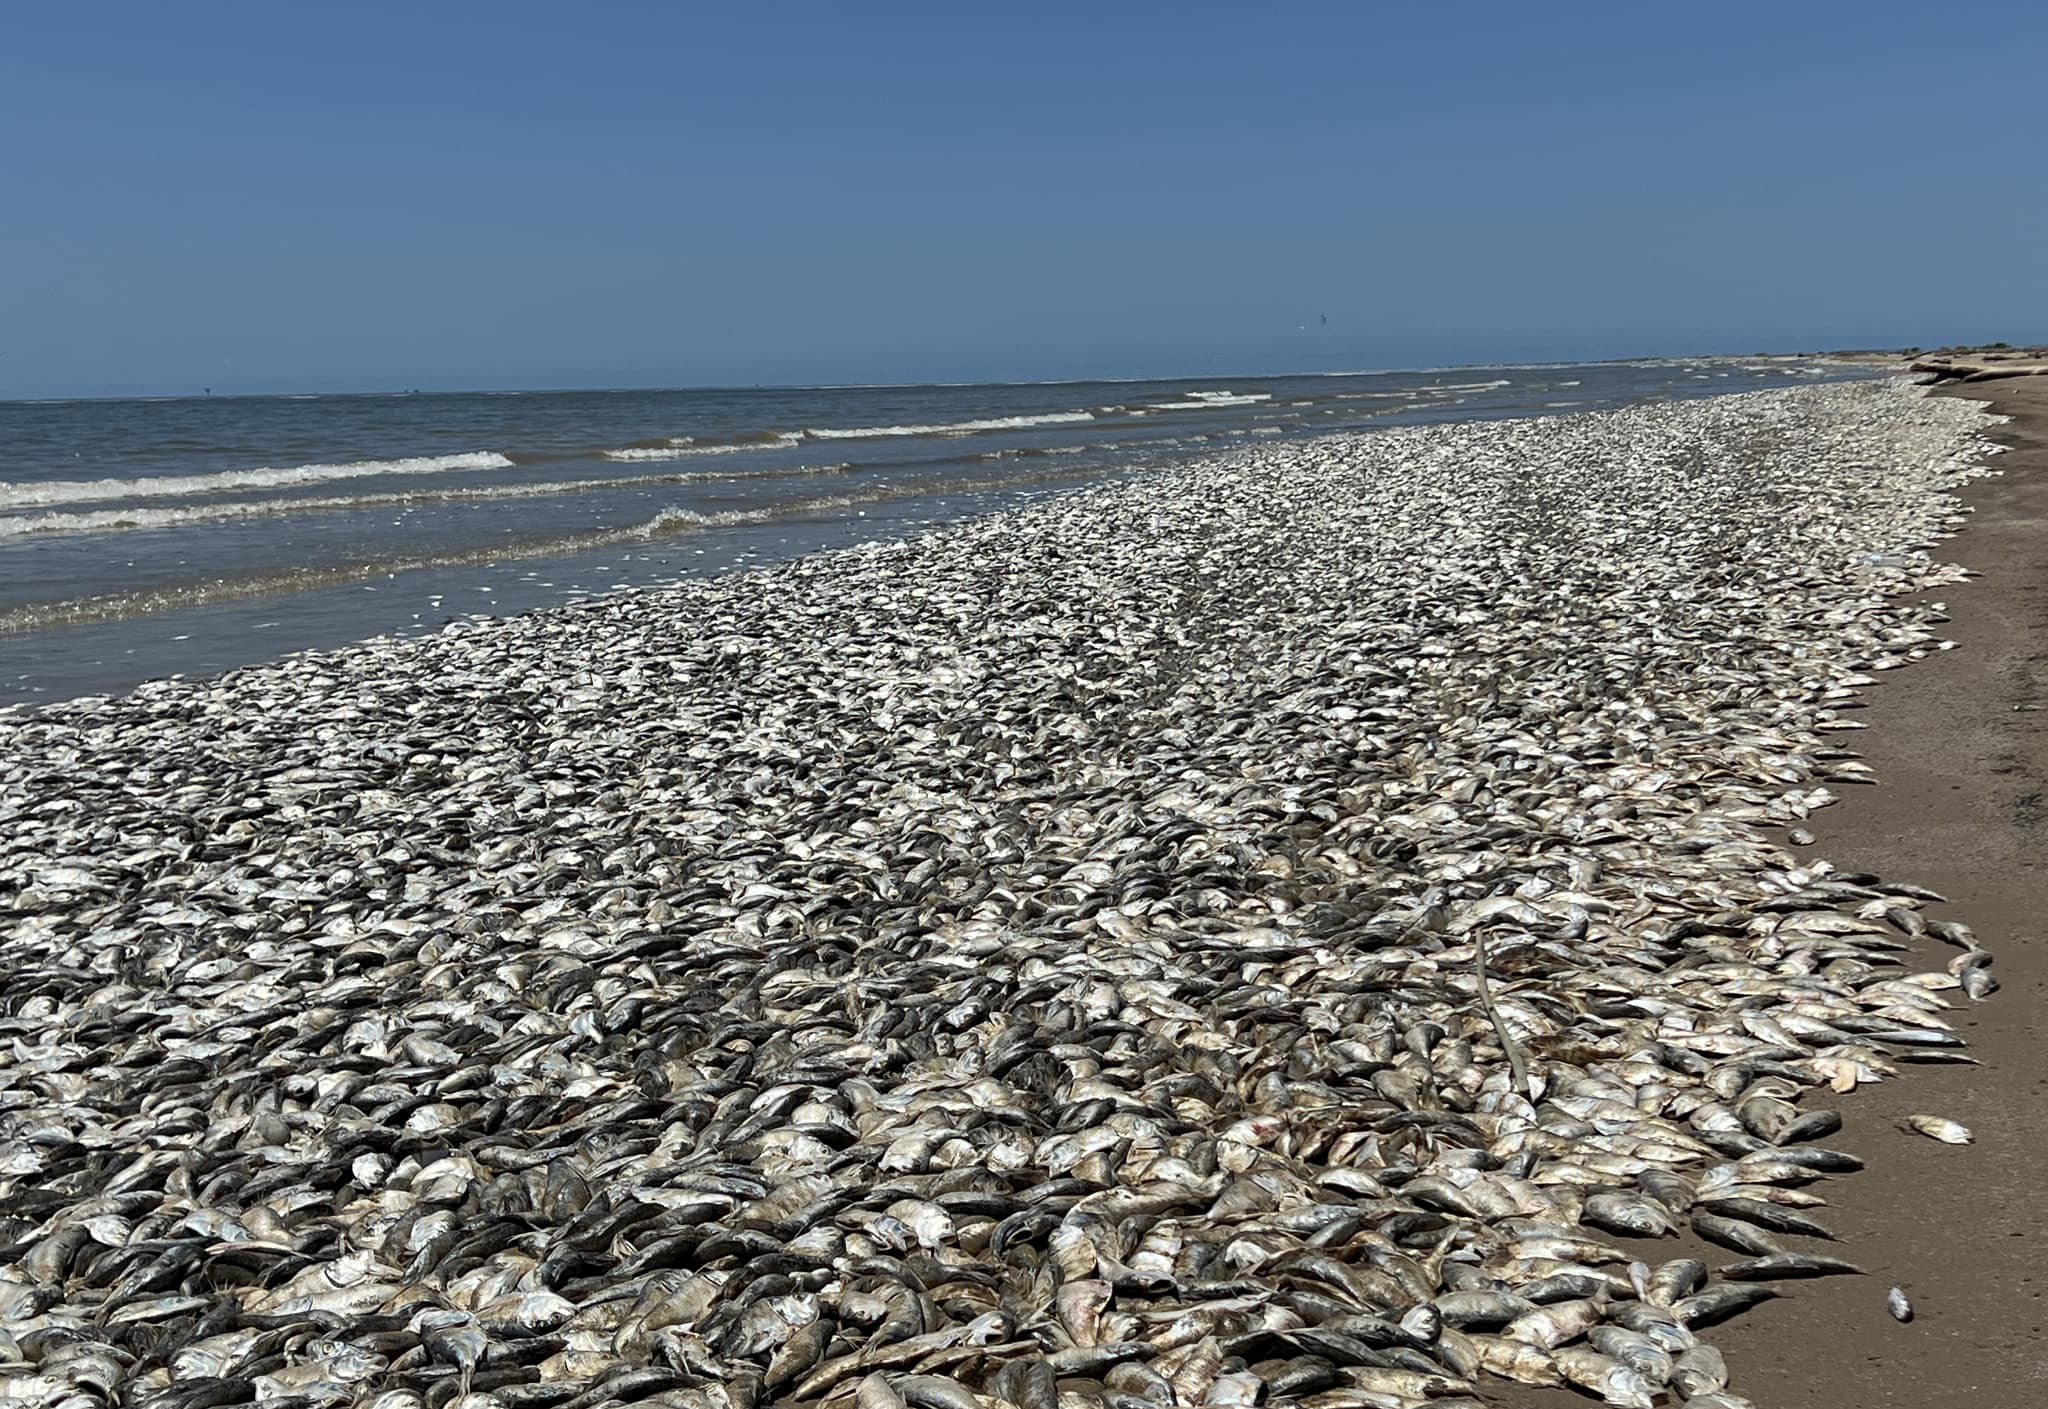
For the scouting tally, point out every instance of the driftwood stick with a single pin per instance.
(1517, 1063)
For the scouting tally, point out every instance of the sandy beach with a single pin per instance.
(1960, 749)
(1365, 922)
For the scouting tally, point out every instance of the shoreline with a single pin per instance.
(1959, 745)
(332, 524)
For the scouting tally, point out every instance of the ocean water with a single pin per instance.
(145, 538)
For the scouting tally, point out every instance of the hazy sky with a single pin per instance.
(270, 197)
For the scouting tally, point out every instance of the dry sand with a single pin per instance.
(1960, 745)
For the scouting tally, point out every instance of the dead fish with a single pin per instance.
(1614, 1382)
(1973, 972)
(1936, 1127)
(1773, 1266)
(1518, 1361)
(1625, 1213)
(1672, 1281)
(1811, 1125)
(934, 1392)
(1228, 940)
(799, 1354)
(1670, 1189)
(1481, 1308)
(1738, 1234)
(1635, 1350)
(1818, 1157)
(1719, 1302)
(1550, 1326)
(876, 1392)
(1766, 1215)
(1658, 1325)
(1700, 1370)
(1953, 932)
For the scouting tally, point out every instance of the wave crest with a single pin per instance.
(995, 423)
(85, 491)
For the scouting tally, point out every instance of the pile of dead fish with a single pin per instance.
(1032, 965)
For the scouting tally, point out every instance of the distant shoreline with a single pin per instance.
(302, 393)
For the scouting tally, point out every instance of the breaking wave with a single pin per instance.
(84, 491)
(669, 522)
(682, 446)
(996, 423)
(145, 517)
(1211, 401)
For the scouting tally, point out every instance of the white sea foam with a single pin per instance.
(998, 423)
(1211, 400)
(662, 452)
(671, 519)
(1041, 454)
(684, 446)
(83, 491)
(1469, 386)
(146, 517)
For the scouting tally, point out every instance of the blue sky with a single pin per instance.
(275, 197)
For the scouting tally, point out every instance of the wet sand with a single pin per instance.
(1960, 747)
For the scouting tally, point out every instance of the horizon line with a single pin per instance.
(909, 385)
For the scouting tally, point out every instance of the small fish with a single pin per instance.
(1734, 1233)
(1479, 1307)
(1913, 1037)
(1773, 1266)
(1551, 1326)
(1813, 1125)
(1517, 1361)
(1635, 1350)
(1953, 932)
(1673, 1191)
(1572, 1284)
(1614, 1382)
(799, 1354)
(1818, 1157)
(1628, 1213)
(1662, 1328)
(1935, 1127)
(1701, 1370)
(1900, 1306)
(1674, 1280)
(1768, 1215)
(935, 1392)
(1721, 1301)
(875, 1392)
